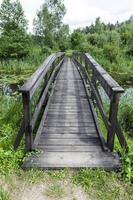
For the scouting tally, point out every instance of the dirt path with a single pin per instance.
(51, 191)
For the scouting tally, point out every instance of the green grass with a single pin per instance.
(101, 185)
(16, 71)
(3, 194)
(55, 191)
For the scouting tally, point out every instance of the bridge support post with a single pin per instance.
(113, 120)
(93, 79)
(27, 121)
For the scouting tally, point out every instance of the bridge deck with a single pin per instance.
(67, 135)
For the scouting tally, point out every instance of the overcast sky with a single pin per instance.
(84, 12)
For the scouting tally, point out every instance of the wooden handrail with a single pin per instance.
(108, 83)
(33, 82)
(112, 89)
(47, 72)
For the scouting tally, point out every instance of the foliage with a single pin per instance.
(48, 24)
(14, 42)
(126, 110)
(111, 45)
(77, 39)
(127, 167)
(9, 122)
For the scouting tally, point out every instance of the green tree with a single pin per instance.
(49, 21)
(77, 39)
(63, 37)
(14, 40)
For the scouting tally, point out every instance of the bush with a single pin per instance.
(126, 110)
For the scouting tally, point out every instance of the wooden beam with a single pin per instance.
(27, 121)
(113, 120)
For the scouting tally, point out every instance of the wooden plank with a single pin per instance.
(68, 124)
(69, 118)
(68, 121)
(73, 160)
(68, 136)
(70, 148)
(68, 115)
(62, 141)
(70, 130)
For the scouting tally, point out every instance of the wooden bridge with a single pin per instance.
(60, 101)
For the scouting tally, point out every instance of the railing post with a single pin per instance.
(93, 80)
(81, 59)
(27, 121)
(113, 120)
(86, 64)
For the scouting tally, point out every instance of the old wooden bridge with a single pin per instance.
(61, 108)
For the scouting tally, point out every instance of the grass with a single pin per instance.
(16, 71)
(101, 185)
(3, 194)
(55, 191)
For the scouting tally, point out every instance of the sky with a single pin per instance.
(81, 13)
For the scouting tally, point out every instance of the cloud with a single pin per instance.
(84, 12)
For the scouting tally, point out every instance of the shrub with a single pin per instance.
(126, 110)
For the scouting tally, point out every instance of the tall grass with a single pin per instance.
(16, 71)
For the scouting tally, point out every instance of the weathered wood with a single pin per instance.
(121, 137)
(42, 99)
(99, 104)
(72, 129)
(19, 135)
(71, 148)
(112, 120)
(55, 160)
(34, 81)
(112, 88)
(92, 109)
(27, 121)
(86, 142)
(108, 83)
(28, 90)
(68, 133)
(40, 129)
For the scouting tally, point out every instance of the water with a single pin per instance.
(10, 89)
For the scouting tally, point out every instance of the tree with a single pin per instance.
(77, 39)
(49, 21)
(63, 38)
(14, 40)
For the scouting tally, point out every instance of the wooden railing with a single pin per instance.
(94, 75)
(44, 75)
